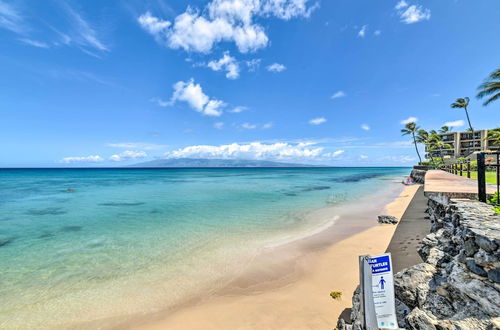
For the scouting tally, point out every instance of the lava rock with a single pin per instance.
(387, 219)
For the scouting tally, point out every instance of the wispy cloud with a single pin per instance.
(11, 19)
(317, 121)
(83, 34)
(137, 145)
(338, 94)
(365, 127)
(128, 155)
(82, 159)
(34, 43)
(409, 120)
(362, 32)
(253, 64)
(276, 67)
(410, 14)
(219, 125)
(238, 109)
(335, 153)
(248, 126)
(403, 159)
(267, 125)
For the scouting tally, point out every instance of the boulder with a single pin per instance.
(419, 320)
(387, 219)
(412, 284)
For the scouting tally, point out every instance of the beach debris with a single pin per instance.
(387, 219)
(337, 295)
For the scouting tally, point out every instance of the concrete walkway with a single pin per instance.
(408, 236)
(453, 186)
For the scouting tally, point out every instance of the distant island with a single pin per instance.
(196, 162)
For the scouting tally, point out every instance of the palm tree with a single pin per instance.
(490, 87)
(463, 102)
(445, 129)
(423, 137)
(412, 128)
(494, 136)
(439, 145)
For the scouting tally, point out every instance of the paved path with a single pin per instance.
(454, 186)
(408, 236)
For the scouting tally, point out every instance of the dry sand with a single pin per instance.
(300, 303)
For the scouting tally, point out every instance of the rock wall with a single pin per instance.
(418, 175)
(458, 285)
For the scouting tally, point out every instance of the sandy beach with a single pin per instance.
(301, 301)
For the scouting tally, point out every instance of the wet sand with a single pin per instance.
(289, 286)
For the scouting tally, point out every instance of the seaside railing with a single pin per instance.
(487, 162)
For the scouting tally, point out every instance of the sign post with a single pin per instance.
(383, 291)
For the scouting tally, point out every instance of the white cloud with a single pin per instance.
(248, 126)
(409, 120)
(128, 155)
(193, 94)
(253, 150)
(365, 127)
(338, 94)
(223, 20)
(267, 125)
(238, 109)
(317, 121)
(401, 4)
(336, 153)
(83, 159)
(362, 32)
(11, 19)
(34, 43)
(276, 67)
(253, 64)
(228, 64)
(153, 25)
(410, 14)
(377, 32)
(399, 159)
(456, 123)
(363, 156)
(219, 125)
(137, 145)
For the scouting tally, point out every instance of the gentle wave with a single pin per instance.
(307, 234)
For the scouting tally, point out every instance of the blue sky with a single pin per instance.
(93, 83)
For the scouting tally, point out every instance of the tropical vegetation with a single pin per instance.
(490, 89)
(412, 128)
(435, 145)
(463, 103)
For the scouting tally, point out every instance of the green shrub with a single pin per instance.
(337, 295)
(494, 201)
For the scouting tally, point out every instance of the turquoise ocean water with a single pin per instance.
(135, 241)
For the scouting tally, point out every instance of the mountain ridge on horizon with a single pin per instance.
(216, 162)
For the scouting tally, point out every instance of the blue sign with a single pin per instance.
(380, 264)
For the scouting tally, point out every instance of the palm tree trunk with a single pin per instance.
(416, 148)
(468, 119)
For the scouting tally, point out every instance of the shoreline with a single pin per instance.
(295, 278)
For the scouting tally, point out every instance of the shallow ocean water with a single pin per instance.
(86, 244)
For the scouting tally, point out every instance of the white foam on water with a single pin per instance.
(310, 233)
